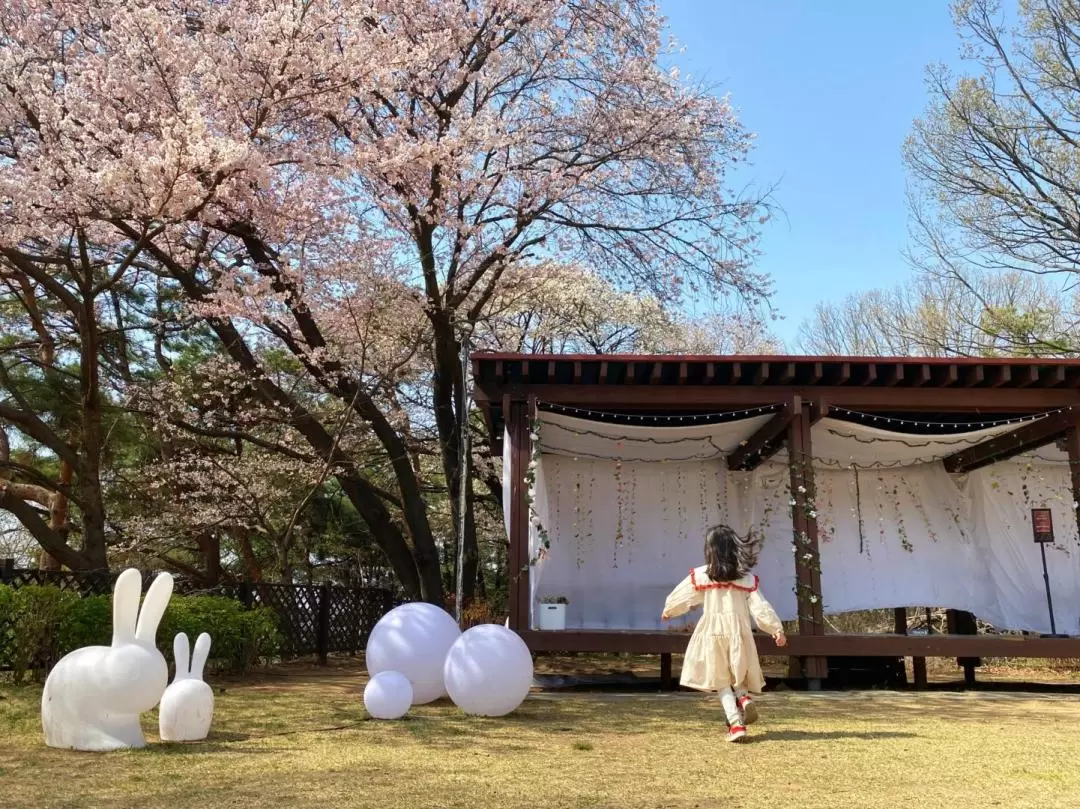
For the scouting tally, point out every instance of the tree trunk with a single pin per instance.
(58, 518)
(446, 394)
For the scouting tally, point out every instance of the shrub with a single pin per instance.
(40, 624)
(239, 637)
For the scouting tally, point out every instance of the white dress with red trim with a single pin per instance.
(721, 653)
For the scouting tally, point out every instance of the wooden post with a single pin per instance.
(900, 620)
(246, 594)
(918, 664)
(1072, 446)
(322, 639)
(959, 622)
(804, 526)
(517, 425)
(900, 628)
(666, 680)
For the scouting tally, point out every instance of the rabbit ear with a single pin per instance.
(181, 652)
(126, 594)
(157, 599)
(198, 660)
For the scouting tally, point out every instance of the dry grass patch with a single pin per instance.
(298, 738)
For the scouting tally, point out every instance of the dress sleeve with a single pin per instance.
(764, 614)
(683, 599)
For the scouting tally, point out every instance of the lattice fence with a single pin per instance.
(312, 619)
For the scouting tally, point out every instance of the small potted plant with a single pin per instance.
(553, 612)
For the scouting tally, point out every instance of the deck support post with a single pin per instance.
(805, 532)
(517, 426)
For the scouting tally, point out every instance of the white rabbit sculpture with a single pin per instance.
(187, 706)
(94, 695)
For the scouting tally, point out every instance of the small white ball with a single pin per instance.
(488, 671)
(388, 695)
(413, 639)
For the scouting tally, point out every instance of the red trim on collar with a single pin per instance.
(720, 585)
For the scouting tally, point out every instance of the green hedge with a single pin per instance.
(40, 624)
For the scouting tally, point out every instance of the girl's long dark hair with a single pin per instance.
(727, 556)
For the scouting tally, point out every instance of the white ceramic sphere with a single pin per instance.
(388, 695)
(413, 639)
(488, 671)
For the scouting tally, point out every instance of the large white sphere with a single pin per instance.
(413, 639)
(488, 671)
(388, 695)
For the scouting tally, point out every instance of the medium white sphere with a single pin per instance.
(488, 671)
(413, 639)
(388, 695)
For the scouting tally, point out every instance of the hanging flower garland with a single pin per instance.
(918, 503)
(619, 514)
(633, 513)
(577, 520)
(680, 488)
(806, 555)
(544, 544)
(664, 510)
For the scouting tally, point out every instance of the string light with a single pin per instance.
(958, 426)
(686, 419)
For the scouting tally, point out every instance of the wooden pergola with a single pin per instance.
(802, 389)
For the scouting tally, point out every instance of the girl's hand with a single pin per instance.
(665, 617)
(780, 638)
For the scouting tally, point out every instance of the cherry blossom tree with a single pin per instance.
(352, 183)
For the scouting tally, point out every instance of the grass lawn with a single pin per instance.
(297, 737)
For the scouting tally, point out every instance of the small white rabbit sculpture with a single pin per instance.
(187, 706)
(94, 695)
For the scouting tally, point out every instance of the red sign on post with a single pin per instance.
(1042, 525)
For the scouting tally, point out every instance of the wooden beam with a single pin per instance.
(922, 376)
(1056, 377)
(818, 411)
(1072, 446)
(952, 376)
(500, 375)
(871, 375)
(787, 375)
(710, 372)
(832, 645)
(896, 375)
(670, 397)
(631, 373)
(974, 376)
(525, 370)
(804, 526)
(763, 444)
(657, 374)
(603, 372)
(517, 422)
(762, 375)
(684, 372)
(577, 373)
(736, 373)
(816, 373)
(1029, 436)
(1002, 377)
(1028, 376)
(844, 374)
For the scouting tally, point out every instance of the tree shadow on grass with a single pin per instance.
(819, 736)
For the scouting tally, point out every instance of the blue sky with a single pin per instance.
(831, 89)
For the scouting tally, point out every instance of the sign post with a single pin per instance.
(1042, 528)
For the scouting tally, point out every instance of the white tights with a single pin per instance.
(729, 698)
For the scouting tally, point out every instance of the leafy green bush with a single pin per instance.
(239, 637)
(40, 624)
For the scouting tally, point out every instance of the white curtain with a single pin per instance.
(895, 529)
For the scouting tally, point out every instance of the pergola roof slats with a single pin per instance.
(1030, 436)
(717, 383)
